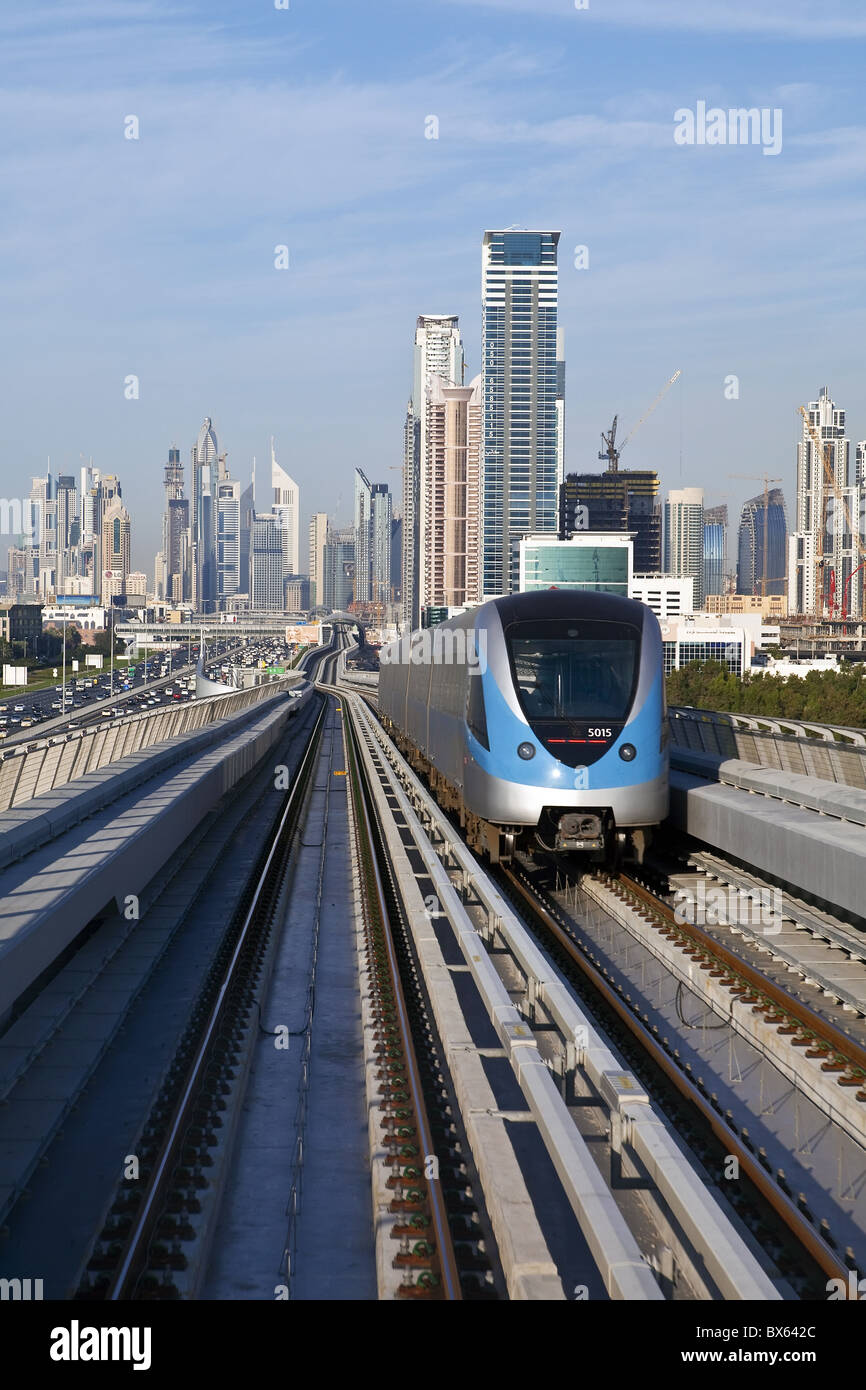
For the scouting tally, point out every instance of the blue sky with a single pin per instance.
(305, 127)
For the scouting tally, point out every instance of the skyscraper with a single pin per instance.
(339, 569)
(205, 476)
(363, 498)
(266, 563)
(438, 352)
(285, 505)
(380, 543)
(824, 550)
(750, 544)
(683, 537)
(106, 493)
(173, 475)
(228, 538)
(43, 509)
(175, 519)
(522, 385)
(318, 538)
(18, 560)
(67, 528)
(89, 479)
(66, 510)
(372, 534)
(88, 554)
(450, 569)
(114, 550)
(397, 558)
(715, 549)
(176, 557)
(247, 513)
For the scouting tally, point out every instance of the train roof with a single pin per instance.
(570, 603)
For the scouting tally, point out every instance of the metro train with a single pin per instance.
(540, 719)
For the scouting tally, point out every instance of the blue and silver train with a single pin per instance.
(540, 719)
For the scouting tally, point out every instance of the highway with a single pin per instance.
(163, 678)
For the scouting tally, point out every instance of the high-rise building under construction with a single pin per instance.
(617, 500)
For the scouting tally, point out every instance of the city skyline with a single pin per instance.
(65, 520)
(132, 286)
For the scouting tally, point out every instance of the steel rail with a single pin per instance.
(809, 1021)
(787, 1210)
(126, 1277)
(370, 826)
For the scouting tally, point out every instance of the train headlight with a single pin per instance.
(526, 751)
(628, 752)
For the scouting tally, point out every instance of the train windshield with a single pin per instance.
(580, 669)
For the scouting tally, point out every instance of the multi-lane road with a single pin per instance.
(166, 677)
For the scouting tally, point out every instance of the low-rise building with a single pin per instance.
(88, 617)
(772, 606)
(668, 595)
(711, 637)
(596, 561)
(20, 622)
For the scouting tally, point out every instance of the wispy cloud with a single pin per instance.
(156, 256)
(792, 19)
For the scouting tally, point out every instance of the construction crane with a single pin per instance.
(766, 481)
(825, 454)
(610, 451)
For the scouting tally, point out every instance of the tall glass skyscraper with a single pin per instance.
(266, 563)
(228, 537)
(522, 391)
(339, 569)
(750, 548)
(372, 540)
(715, 549)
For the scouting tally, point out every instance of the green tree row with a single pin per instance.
(47, 649)
(828, 697)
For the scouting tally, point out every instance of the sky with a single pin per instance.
(306, 127)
